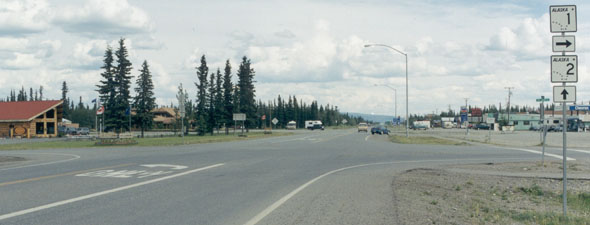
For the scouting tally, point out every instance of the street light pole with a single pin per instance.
(407, 106)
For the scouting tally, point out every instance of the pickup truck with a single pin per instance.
(363, 127)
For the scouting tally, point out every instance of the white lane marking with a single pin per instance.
(285, 198)
(55, 204)
(577, 150)
(367, 138)
(42, 164)
(538, 152)
(123, 173)
(174, 167)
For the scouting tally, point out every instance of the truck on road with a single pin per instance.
(313, 124)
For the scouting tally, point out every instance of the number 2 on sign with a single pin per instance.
(571, 66)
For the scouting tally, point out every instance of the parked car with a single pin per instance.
(71, 130)
(379, 130)
(555, 128)
(363, 127)
(83, 131)
(317, 127)
(482, 126)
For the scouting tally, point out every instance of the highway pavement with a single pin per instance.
(313, 177)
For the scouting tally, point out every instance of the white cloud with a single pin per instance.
(527, 40)
(103, 17)
(18, 17)
(88, 55)
(22, 61)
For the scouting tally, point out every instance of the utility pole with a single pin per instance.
(509, 94)
(467, 116)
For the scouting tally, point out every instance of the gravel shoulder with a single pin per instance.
(505, 193)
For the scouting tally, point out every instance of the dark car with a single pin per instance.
(379, 130)
(482, 126)
(317, 127)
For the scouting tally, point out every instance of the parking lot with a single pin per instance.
(516, 138)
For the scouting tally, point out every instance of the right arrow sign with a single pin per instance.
(564, 43)
(564, 93)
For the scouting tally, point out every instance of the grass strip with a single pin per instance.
(152, 141)
(427, 140)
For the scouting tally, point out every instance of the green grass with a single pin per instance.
(423, 140)
(157, 141)
(547, 218)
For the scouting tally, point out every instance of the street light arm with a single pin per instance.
(385, 85)
(387, 46)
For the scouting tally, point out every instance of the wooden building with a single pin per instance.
(30, 118)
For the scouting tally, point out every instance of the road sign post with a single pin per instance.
(544, 131)
(239, 117)
(564, 69)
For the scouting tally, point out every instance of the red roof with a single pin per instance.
(25, 111)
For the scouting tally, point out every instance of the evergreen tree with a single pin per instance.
(246, 92)
(30, 94)
(122, 80)
(64, 95)
(228, 96)
(219, 106)
(201, 114)
(145, 101)
(211, 122)
(41, 93)
(107, 89)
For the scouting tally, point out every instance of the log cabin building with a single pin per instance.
(30, 118)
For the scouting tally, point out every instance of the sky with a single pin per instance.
(311, 49)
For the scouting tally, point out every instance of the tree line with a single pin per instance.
(215, 102)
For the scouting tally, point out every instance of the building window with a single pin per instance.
(51, 128)
(515, 123)
(50, 114)
(527, 122)
(38, 128)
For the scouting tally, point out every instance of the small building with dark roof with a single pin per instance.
(30, 118)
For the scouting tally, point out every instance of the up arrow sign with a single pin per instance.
(564, 93)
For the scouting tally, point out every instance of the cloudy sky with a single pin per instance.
(311, 49)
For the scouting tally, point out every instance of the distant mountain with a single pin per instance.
(373, 117)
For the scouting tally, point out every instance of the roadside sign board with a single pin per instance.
(490, 120)
(239, 116)
(274, 121)
(344, 121)
(542, 99)
(580, 107)
(564, 43)
(564, 93)
(564, 68)
(563, 18)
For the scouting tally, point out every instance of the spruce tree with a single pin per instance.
(145, 101)
(30, 94)
(211, 121)
(201, 114)
(107, 89)
(219, 106)
(122, 80)
(64, 95)
(246, 92)
(227, 96)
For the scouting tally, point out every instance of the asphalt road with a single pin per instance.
(314, 177)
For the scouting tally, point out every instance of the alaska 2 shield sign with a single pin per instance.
(564, 68)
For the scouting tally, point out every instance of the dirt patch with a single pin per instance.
(446, 196)
(7, 159)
